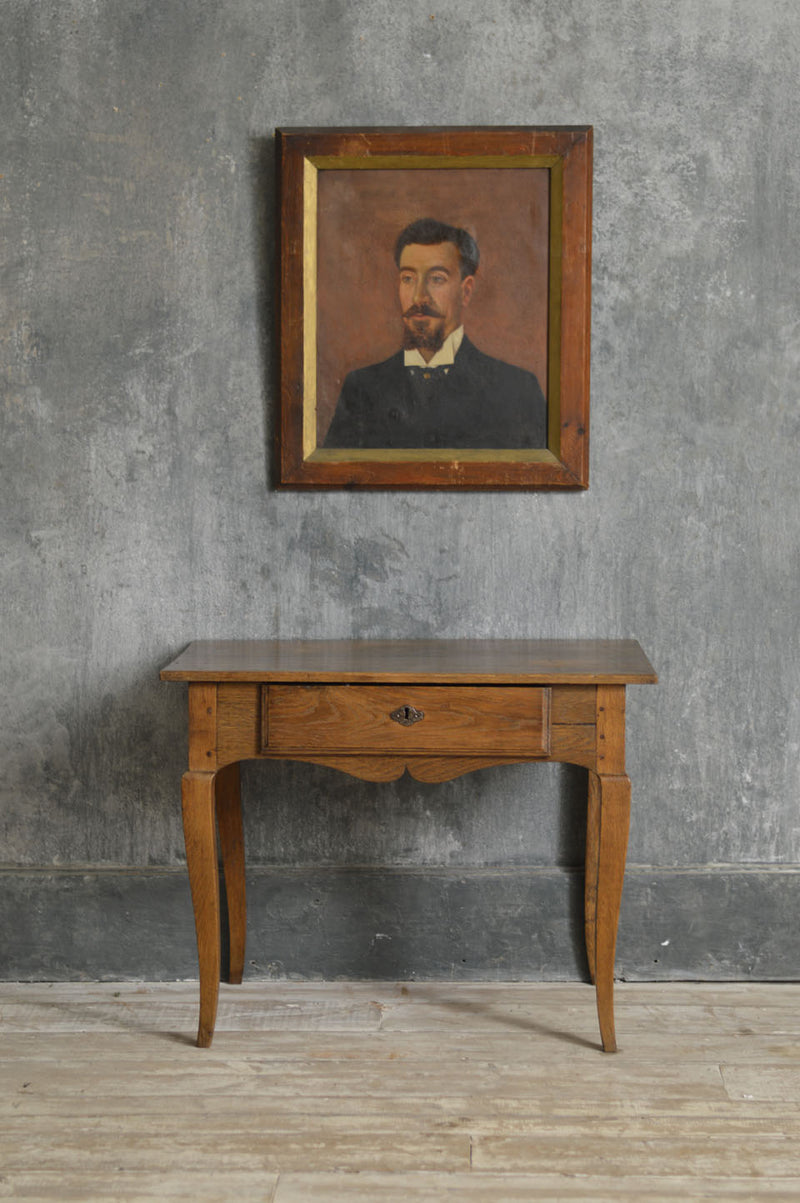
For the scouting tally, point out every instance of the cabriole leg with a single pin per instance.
(199, 829)
(614, 804)
(590, 874)
(231, 841)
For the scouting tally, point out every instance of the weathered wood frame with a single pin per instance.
(566, 152)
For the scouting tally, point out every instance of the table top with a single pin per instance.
(404, 661)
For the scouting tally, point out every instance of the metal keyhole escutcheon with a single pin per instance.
(406, 716)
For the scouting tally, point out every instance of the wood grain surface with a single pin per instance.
(448, 718)
(424, 661)
(347, 1091)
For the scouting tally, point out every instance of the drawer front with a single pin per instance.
(387, 719)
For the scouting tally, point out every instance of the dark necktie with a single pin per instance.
(421, 374)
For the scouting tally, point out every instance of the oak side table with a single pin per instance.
(437, 708)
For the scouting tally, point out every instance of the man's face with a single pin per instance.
(432, 293)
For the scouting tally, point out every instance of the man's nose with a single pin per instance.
(421, 290)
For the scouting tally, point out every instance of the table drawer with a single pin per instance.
(389, 719)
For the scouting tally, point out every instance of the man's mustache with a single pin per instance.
(422, 311)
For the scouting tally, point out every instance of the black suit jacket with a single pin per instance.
(478, 402)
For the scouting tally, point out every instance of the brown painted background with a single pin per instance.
(360, 215)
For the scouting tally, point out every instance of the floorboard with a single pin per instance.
(382, 1092)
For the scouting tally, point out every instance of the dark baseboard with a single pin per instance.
(717, 923)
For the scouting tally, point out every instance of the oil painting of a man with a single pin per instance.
(439, 390)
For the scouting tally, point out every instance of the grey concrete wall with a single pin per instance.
(137, 361)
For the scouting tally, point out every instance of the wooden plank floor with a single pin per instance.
(481, 1093)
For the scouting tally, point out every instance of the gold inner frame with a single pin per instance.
(316, 163)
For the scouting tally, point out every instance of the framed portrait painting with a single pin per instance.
(434, 302)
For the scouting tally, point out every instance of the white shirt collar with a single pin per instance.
(444, 357)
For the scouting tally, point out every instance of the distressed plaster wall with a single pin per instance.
(137, 362)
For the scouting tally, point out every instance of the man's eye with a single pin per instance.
(438, 280)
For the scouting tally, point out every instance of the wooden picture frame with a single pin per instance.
(356, 214)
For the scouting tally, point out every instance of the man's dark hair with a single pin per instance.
(428, 232)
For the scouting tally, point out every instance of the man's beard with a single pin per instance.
(419, 335)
